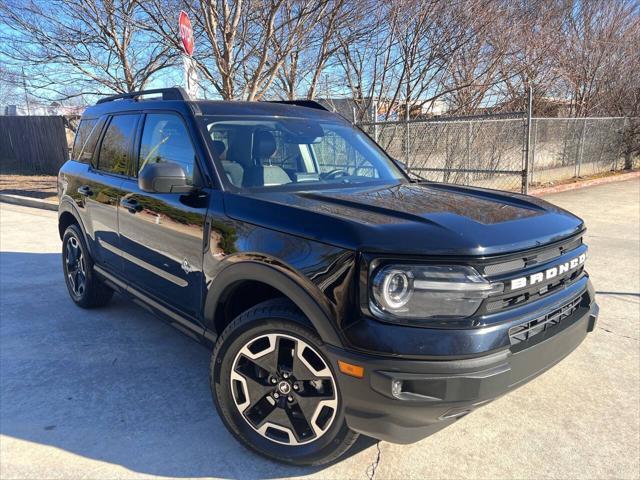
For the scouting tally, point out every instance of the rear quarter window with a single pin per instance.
(85, 141)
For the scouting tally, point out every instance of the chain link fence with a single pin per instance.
(490, 151)
(564, 148)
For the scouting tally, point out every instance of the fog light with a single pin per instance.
(396, 388)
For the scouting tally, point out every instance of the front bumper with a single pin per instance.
(403, 401)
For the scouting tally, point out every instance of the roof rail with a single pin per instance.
(302, 103)
(174, 93)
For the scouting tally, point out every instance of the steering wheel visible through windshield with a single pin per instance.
(296, 153)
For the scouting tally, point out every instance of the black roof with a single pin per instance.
(212, 107)
(176, 99)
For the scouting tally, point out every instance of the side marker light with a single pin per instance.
(350, 369)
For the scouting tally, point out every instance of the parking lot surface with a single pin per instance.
(115, 393)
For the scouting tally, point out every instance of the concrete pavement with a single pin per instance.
(115, 393)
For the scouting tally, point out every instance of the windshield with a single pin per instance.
(296, 154)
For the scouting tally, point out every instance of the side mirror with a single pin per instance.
(163, 177)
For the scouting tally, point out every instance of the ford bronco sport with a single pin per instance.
(339, 296)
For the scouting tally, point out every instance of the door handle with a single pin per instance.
(131, 205)
(85, 190)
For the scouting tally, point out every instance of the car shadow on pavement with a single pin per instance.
(114, 384)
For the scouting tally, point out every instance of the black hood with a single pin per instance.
(417, 218)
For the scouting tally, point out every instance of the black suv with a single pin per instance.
(340, 296)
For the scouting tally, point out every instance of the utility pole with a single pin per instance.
(581, 148)
(468, 175)
(407, 157)
(374, 119)
(525, 172)
(26, 94)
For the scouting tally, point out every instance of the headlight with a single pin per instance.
(424, 291)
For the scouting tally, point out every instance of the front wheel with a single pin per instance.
(275, 390)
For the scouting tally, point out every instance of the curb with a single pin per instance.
(584, 183)
(28, 202)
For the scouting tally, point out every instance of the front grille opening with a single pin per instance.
(525, 331)
(521, 298)
(504, 267)
(529, 260)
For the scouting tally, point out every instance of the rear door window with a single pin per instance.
(115, 150)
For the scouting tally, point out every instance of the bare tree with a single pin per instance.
(242, 45)
(303, 68)
(600, 39)
(9, 87)
(390, 58)
(297, 23)
(505, 54)
(366, 58)
(407, 60)
(96, 46)
(620, 90)
(533, 30)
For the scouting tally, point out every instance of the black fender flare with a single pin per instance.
(299, 289)
(68, 206)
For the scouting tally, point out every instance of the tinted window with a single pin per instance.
(165, 139)
(114, 152)
(90, 145)
(82, 151)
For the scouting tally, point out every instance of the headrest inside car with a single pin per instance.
(218, 147)
(264, 144)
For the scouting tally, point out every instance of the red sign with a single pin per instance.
(186, 33)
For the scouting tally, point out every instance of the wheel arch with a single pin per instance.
(64, 220)
(69, 215)
(296, 288)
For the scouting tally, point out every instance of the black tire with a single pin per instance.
(285, 323)
(85, 288)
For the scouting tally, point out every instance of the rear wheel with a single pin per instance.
(275, 390)
(85, 289)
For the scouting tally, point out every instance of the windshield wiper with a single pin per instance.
(419, 177)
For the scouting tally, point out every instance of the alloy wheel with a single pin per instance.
(284, 389)
(76, 267)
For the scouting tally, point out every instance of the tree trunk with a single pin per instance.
(628, 160)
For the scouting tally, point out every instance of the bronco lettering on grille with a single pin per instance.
(548, 274)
